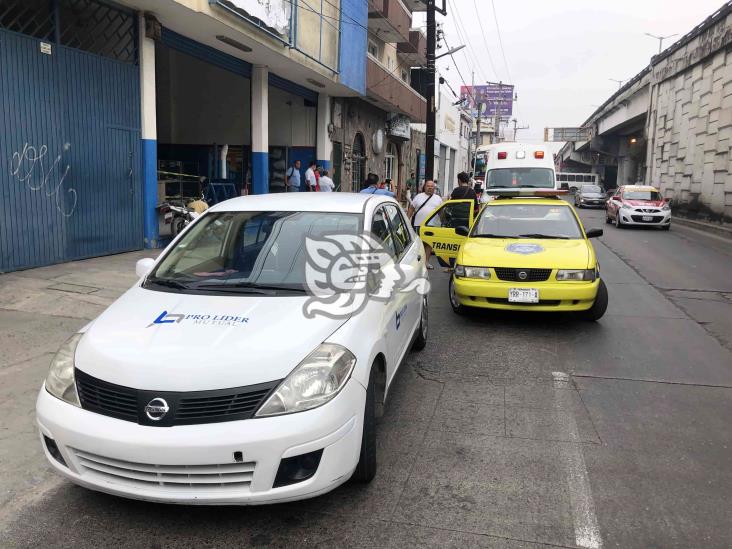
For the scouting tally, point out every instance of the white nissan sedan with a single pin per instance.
(250, 360)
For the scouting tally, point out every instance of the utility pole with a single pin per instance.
(429, 146)
(515, 128)
(497, 123)
(619, 82)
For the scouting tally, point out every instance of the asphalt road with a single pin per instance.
(508, 430)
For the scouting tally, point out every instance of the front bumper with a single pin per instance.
(195, 464)
(593, 203)
(632, 217)
(553, 295)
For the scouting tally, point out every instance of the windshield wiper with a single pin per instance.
(167, 282)
(490, 235)
(539, 235)
(248, 287)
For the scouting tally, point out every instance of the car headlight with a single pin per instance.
(462, 271)
(60, 381)
(315, 381)
(666, 207)
(577, 274)
(625, 207)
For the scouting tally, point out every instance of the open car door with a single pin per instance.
(439, 229)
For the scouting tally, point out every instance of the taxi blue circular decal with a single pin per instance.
(524, 249)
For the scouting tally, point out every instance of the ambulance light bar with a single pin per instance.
(541, 192)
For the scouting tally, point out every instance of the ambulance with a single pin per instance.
(518, 166)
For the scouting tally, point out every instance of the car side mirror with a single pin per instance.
(144, 266)
(593, 233)
(462, 230)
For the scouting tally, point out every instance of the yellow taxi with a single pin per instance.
(526, 250)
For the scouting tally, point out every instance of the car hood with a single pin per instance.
(527, 253)
(181, 342)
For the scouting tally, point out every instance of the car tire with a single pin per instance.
(666, 227)
(420, 342)
(618, 223)
(607, 218)
(457, 307)
(366, 468)
(599, 306)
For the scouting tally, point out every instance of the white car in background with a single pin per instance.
(208, 382)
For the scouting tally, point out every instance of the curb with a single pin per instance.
(704, 226)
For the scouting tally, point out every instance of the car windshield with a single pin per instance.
(642, 195)
(591, 189)
(526, 221)
(521, 177)
(246, 252)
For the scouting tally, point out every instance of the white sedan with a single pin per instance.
(249, 362)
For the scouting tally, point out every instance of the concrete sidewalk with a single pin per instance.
(39, 309)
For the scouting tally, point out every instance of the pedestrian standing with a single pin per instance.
(419, 210)
(463, 190)
(372, 186)
(326, 183)
(317, 178)
(310, 180)
(293, 177)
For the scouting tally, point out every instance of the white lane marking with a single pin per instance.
(586, 529)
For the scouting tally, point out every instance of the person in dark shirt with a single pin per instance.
(463, 190)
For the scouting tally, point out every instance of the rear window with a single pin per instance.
(518, 178)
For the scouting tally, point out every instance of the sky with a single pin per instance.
(559, 54)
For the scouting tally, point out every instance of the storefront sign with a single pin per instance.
(399, 126)
(271, 15)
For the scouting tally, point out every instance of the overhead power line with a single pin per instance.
(485, 38)
(500, 41)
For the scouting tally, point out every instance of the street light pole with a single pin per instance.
(660, 39)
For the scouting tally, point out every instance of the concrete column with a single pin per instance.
(260, 130)
(149, 138)
(324, 147)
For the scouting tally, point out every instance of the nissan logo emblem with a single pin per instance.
(522, 275)
(156, 409)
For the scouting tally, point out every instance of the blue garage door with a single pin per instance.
(70, 168)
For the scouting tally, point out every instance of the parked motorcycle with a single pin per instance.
(178, 216)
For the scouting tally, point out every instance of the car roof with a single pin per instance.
(503, 201)
(303, 202)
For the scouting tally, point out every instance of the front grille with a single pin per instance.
(542, 302)
(185, 408)
(174, 476)
(105, 398)
(514, 275)
(639, 219)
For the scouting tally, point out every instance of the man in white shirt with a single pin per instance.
(310, 180)
(419, 210)
(326, 183)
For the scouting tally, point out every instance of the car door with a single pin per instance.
(438, 231)
(614, 203)
(390, 323)
(408, 306)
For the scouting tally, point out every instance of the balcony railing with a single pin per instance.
(390, 20)
(389, 92)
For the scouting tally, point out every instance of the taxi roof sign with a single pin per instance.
(537, 192)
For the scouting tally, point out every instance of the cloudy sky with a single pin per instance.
(560, 54)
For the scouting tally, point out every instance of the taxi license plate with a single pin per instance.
(647, 218)
(523, 295)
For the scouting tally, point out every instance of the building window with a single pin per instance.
(405, 75)
(391, 165)
(390, 63)
(374, 49)
(358, 163)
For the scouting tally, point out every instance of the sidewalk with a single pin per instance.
(39, 309)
